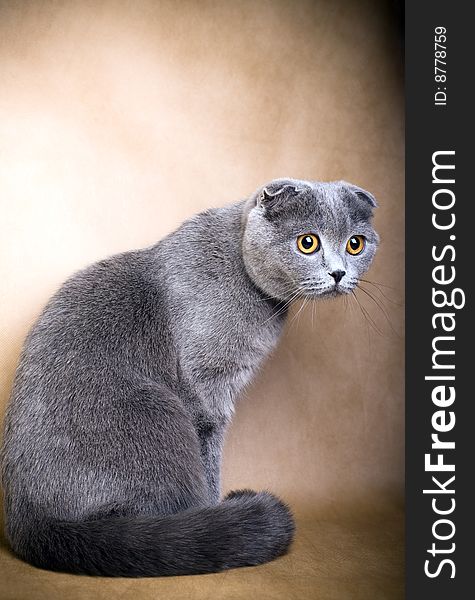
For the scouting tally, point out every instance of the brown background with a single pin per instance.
(120, 119)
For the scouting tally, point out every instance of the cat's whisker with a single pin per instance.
(375, 300)
(366, 315)
(312, 290)
(346, 302)
(381, 308)
(351, 305)
(377, 286)
(286, 290)
(282, 308)
(304, 302)
(288, 287)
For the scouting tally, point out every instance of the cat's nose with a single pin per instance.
(338, 275)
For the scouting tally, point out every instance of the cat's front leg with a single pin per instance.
(211, 435)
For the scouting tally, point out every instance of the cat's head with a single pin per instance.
(308, 238)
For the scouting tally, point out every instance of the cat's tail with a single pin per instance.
(246, 528)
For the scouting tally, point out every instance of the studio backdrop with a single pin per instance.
(120, 120)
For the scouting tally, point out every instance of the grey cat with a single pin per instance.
(127, 382)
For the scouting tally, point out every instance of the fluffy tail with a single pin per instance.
(247, 528)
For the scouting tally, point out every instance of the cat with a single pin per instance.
(128, 380)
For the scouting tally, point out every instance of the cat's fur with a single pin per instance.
(128, 380)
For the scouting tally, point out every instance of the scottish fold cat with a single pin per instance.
(128, 380)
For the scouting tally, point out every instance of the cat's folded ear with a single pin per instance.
(276, 193)
(361, 193)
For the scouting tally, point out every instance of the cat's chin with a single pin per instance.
(332, 291)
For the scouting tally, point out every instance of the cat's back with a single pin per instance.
(99, 310)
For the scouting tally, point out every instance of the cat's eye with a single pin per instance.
(308, 243)
(355, 244)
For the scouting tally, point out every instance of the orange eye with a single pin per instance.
(355, 244)
(308, 243)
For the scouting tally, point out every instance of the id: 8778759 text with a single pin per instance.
(440, 66)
